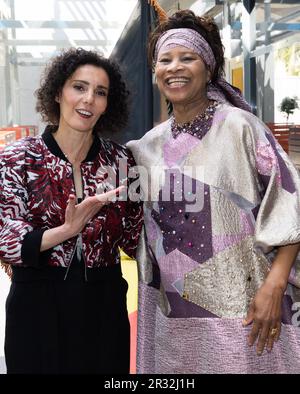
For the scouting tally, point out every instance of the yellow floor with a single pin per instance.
(129, 270)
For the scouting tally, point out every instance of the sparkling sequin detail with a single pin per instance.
(266, 160)
(225, 285)
(199, 126)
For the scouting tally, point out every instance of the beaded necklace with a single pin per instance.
(197, 127)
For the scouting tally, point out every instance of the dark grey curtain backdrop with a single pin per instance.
(130, 53)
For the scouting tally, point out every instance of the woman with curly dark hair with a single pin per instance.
(60, 232)
(223, 230)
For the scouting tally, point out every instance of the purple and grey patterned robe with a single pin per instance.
(216, 208)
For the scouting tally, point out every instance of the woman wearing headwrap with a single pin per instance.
(218, 281)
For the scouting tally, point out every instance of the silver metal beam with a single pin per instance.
(288, 17)
(262, 27)
(249, 42)
(285, 26)
(261, 51)
(226, 29)
(91, 24)
(14, 74)
(265, 72)
(58, 43)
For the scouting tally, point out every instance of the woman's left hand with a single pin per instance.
(265, 309)
(265, 315)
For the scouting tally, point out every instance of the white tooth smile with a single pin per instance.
(85, 113)
(177, 81)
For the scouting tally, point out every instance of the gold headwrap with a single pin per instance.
(162, 15)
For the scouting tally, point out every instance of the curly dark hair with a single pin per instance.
(62, 67)
(206, 26)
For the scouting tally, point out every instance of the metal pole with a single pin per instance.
(14, 76)
(249, 42)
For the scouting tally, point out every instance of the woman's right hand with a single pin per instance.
(78, 215)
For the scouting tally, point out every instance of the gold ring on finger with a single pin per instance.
(273, 332)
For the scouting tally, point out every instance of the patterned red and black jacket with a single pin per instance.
(35, 182)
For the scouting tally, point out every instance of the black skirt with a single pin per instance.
(58, 325)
